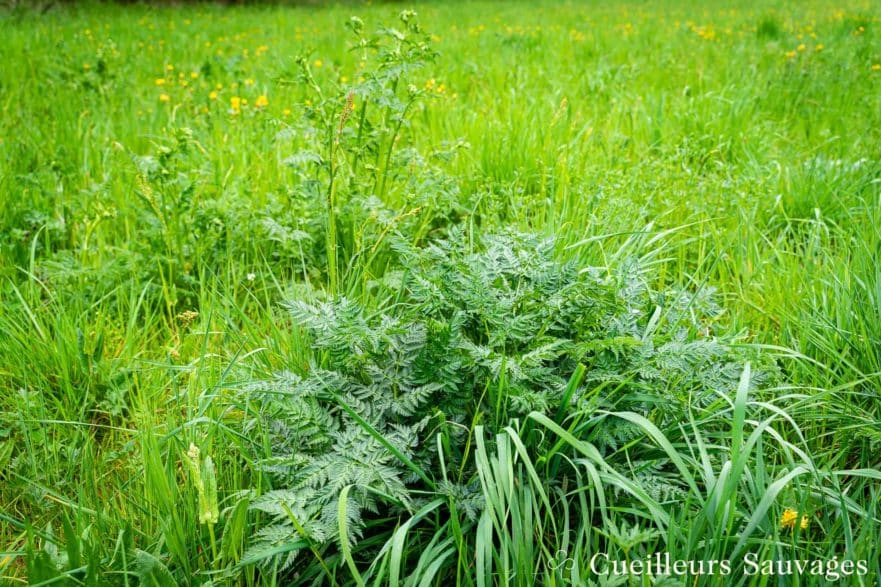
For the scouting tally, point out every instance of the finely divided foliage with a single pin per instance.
(480, 332)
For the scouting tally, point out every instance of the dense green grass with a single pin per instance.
(158, 209)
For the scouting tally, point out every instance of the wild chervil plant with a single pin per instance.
(480, 334)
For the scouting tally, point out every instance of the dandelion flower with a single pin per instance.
(212, 95)
(235, 103)
(262, 102)
(876, 67)
(819, 47)
(789, 517)
(801, 47)
(169, 67)
(194, 74)
(160, 81)
(787, 520)
(164, 97)
(249, 82)
(318, 63)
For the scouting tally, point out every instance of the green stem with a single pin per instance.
(213, 543)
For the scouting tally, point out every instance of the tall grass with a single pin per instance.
(152, 225)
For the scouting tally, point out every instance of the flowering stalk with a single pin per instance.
(205, 481)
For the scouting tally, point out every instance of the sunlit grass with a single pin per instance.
(156, 213)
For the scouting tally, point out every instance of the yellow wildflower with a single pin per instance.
(169, 67)
(262, 102)
(160, 81)
(790, 54)
(876, 67)
(286, 112)
(789, 517)
(318, 63)
(86, 66)
(819, 47)
(249, 82)
(212, 95)
(235, 103)
(194, 74)
(164, 97)
(801, 47)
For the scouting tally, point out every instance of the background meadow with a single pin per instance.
(463, 296)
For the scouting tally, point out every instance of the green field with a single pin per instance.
(507, 293)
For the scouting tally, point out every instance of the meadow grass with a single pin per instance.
(171, 177)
